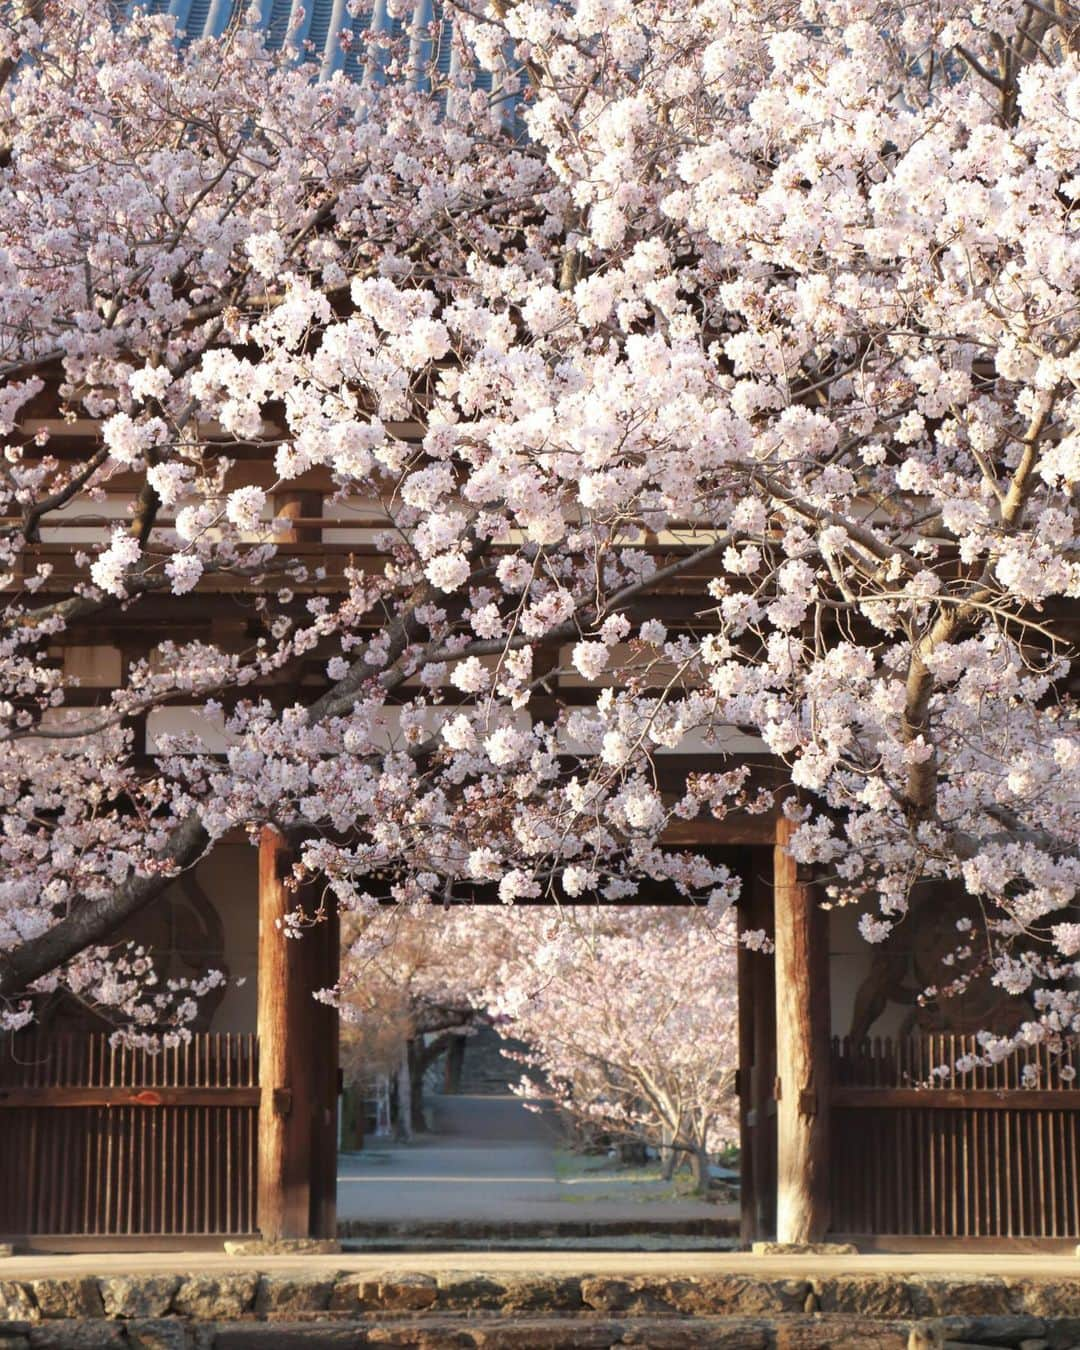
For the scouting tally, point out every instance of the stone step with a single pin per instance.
(451, 1231)
(326, 1305)
(525, 1331)
(618, 1242)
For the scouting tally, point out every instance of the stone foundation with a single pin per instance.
(482, 1311)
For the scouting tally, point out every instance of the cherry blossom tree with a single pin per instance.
(769, 309)
(631, 1015)
(411, 980)
(630, 1012)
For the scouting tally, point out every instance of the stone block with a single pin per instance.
(738, 1295)
(68, 1298)
(804, 1249)
(14, 1340)
(1047, 1298)
(1063, 1333)
(540, 1293)
(522, 1333)
(157, 1333)
(279, 1336)
(608, 1294)
(345, 1295)
(399, 1293)
(963, 1345)
(468, 1292)
(282, 1247)
(209, 1298)
(838, 1331)
(698, 1334)
(865, 1295)
(77, 1334)
(731, 1295)
(285, 1295)
(17, 1302)
(957, 1295)
(425, 1335)
(1003, 1330)
(138, 1295)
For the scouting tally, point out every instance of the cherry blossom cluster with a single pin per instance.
(737, 392)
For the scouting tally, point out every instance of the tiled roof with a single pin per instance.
(319, 33)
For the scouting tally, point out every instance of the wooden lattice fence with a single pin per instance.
(977, 1154)
(100, 1140)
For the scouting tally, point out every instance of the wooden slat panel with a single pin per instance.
(106, 1140)
(973, 1156)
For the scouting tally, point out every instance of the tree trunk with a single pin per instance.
(417, 1068)
(455, 1063)
(699, 1170)
(404, 1129)
(667, 1154)
(802, 1053)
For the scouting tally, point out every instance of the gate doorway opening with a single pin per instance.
(483, 1166)
(840, 1121)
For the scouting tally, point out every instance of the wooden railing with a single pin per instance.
(102, 1140)
(973, 1154)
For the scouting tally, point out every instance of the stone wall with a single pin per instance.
(325, 1307)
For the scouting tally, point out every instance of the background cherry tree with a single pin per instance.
(631, 1016)
(629, 1012)
(410, 983)
(773, 298)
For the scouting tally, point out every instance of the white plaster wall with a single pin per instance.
(850, 956)
(230, 878)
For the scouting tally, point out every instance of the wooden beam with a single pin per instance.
(19, 1098)
(735, 829)
(957, 1099)
(297, 1059)
(802, 1052)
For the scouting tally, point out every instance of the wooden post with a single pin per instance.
(298, 505)
(297, 1062)
(455, 1064)
(802, 1052)
(322, 946)
(757, 1053)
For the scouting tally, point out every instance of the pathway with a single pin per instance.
(491, 1159)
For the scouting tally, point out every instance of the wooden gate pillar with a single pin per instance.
(298, 1061)
(802, 1052)
(757, 1053)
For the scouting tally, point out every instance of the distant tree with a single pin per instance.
(631, 1015)
(629, 1012)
